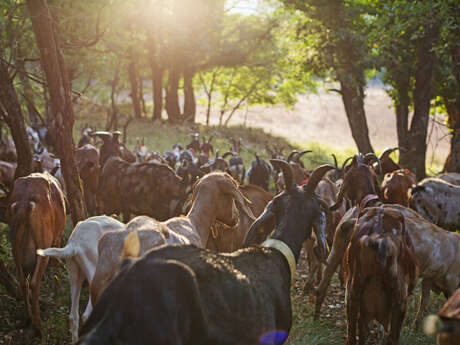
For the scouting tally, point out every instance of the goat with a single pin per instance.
(437, 201)
(202, 287)
(206, 147)
(137, 188)
(447, 323)
(259, 173)
(85, 136)
(396, 185)
(87, 160)
(452, 178)
(81, 256)
(37, 220)
(436, 251)
(381, 272)
(235, 166)
(338, 173)
(194, 145)
(216, 164)
(215, 197)
(387, 164)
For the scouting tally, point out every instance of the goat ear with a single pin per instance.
(131, 245)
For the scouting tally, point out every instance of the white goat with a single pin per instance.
(81, 257)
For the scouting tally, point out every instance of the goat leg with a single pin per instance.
(424, 298)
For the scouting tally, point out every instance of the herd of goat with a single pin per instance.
(208, 259)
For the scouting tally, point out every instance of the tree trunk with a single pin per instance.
(455, 143)
(134, 89)
(401, 104)
(61, 101)
(157, 84)
(189, 96)
(353, 100)
(112, 118)
(426, 59)
(172, 96)
(11, 111)
(141, 95)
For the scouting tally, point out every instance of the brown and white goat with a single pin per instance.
(37, 220)
(437, 201)
(215, 197)
(452, 178)
(381, 272)
(396, 185)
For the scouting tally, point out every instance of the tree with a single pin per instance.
(56, 74)
(409, 62)
(335, 32)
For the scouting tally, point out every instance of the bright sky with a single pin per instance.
(242, 6)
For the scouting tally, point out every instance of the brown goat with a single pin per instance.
(226, 239)
(87, 160)
(215, 197)
(359, 181)
(137, 188)
(447, 323)
(381, 272)
(37, 220)
(396, 185)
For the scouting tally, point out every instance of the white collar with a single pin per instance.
(285, 250)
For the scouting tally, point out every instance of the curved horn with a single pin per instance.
(345, 163)
(369, 156)
(287, 172)
(388, 151)
(292, 154)
(226, 154)
(335, 161)
(241, 200)
(217, 154)
(257, 158)
(316, 176)
(300, 154)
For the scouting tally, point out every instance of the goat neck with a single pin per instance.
(202, 215)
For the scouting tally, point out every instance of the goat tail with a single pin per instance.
(67, 252)
(433, 325)
(382, 252)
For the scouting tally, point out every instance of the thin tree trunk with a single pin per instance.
(112, 121)
(141, 95)
(134, 89)
(455, 143)
(452, 119)
(172, 96)
(10, 109)
(157, 83)
(353, 101)
(189, 96)
(61, 101)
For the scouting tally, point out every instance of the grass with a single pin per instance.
(55, 293)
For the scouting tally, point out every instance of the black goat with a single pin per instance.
(186, 295)
(259, 173)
